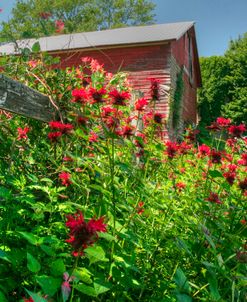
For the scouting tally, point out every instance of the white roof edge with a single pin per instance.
(109, 37)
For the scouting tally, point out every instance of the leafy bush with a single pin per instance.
(96, 206)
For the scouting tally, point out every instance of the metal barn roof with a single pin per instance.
(104, 38)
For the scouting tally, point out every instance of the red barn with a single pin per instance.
(167, 52)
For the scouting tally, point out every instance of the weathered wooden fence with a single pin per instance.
(18, 98)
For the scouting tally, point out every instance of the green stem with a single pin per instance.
(73, 288)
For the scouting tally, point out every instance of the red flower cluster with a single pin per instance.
(191, 134)
(153, 117)
(171, 149)
(59, 24)
(22, 133)
(93, 137)
(28, 300)
(214, 197)
(82, 234)
(53, 136)
(204, 150)
(216, 156)
(139, 208)
(237, 131)
(243, 185)
(220, 124)
(61, 129)
(223, 122)
(45, 15)
(111, 117)
(154, 89)
(119, 98)
(80, 95)
(180, 186)
(65, 178)
(243, 160)
(230, 175)
(140, 104)
(97, 95)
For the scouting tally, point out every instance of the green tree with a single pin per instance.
(215, 87)
(35, 18)
(236, 56)
(224, 78)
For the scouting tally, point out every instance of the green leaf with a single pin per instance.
(33, 239)
(48, 284)
(58, 268)
(213, 286)
(35, 297)
(48, 250)
(215, 174)
(36, 47)
(87, 290)
(4, 256)
(183, 298)
(107, 236)
(5, 193)
(210, 241)
(181, 281)
(32, 264)
(3, 298)
(95, 254)
(83, 275)
(101, 287)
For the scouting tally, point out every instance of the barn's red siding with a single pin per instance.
(180, 51)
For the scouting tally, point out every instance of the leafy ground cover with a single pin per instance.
(96, 206)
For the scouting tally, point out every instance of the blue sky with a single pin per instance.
(217, 21)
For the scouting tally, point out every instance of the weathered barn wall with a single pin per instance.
(181, 53)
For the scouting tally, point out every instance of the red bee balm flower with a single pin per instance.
(180, 186)
(171, 149)
(204, 150)
(97, 95)
(59, 24)
(64, 128)
(214, 127)
(22, 133)
(214, 197)
(65, 178)
(53, 136)
(237, 131)
(28, 300)
(243, 184)
(119, 98)
(216, 156)
(154, 89)
(243, 160)
(158, 117)
(139, 208)
(93, 138)
(80, 95)
(223, 122)
(82, 234)
(230, 177)
(126, 131)
(140, 104)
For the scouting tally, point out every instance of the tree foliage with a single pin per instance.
(35, 18)
(224, 90)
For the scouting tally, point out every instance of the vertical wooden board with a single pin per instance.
(21, 99)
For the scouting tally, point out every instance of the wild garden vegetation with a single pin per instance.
(96, 206)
